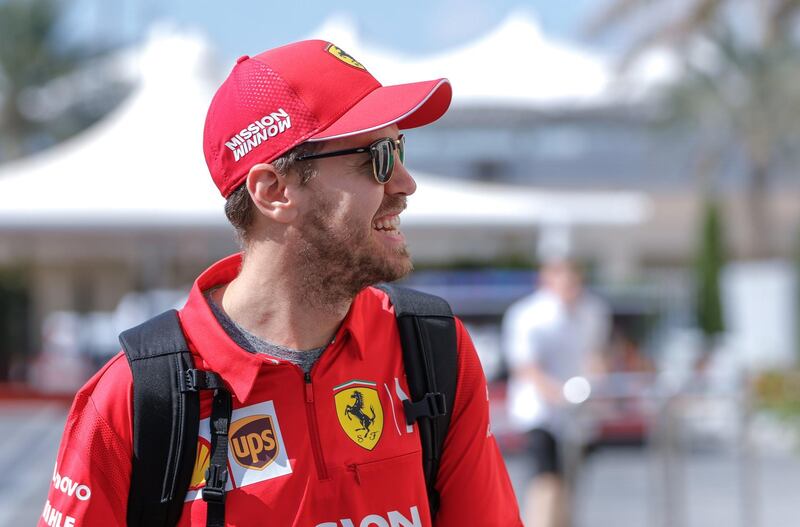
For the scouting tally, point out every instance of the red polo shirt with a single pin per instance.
(327, 449)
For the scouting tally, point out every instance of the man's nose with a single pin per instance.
(401, 181)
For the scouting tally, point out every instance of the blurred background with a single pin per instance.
(654, 142)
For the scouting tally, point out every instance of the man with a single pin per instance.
(551, 337)
(305, 145)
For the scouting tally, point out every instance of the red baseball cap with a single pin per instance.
(306, 91)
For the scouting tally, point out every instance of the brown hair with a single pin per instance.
(239, 207)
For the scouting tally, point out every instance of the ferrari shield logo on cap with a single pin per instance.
(359, 410)
(340, 54)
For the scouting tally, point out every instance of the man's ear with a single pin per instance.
(267, 188)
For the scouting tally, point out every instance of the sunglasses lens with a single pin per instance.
(383, 160)
(401, 148)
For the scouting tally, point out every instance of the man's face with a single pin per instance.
(564, 279)
(349, 227)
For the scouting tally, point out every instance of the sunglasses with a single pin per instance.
(381, 152)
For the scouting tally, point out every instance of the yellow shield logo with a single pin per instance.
(200, 464)
(359, 410)
(340, 54)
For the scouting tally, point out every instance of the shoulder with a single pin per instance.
(107, 396)
(114, 375)
(593, 304)
(112, 380)
(95, 453)
(373, 299)
(532, 310)
(470, 376)
(407, 298)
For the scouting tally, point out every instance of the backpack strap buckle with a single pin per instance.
(216, 478)
(193, 380)
(432, 405)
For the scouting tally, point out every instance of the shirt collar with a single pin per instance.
(237, 367)
(354, 323)
(240, 368)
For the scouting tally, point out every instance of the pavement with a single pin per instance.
(623, 487)
(30, 432)
(640, 487)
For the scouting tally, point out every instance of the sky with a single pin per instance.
(238, 27)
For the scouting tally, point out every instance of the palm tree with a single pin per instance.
(739, 92)
(31, 55)
(674, 23)
(709, 262)
(796, 258)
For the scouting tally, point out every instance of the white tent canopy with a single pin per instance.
(142, 166)
(513, 64)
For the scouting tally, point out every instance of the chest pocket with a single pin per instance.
(389, 492)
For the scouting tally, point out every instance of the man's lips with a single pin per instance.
(391, 206)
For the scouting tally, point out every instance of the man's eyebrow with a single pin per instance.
(358, 161)
(364, 166)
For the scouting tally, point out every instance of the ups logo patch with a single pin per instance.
(256, 450)
(253, 441)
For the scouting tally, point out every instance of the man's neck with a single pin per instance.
(270, 302)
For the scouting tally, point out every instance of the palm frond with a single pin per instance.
(782, 18)
(612, 15)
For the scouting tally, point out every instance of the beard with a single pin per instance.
(334, 263)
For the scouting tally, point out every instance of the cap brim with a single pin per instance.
(407, 105)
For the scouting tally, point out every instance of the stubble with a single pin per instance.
(334, 264)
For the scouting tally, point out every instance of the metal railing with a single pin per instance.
(664, 407)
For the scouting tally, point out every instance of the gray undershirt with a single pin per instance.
(249, 342)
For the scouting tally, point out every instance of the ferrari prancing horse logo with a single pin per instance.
(359, 410)
(345, 57)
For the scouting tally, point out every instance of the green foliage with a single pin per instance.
(709, 262)
(27, 51)
(779, 392)
(747, 98)
(737, 91)
(508, 261)
(14, 318)
(797, 292)
(28, 58)
(32, 55)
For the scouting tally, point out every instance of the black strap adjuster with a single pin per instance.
(194, 380)
(220, 428)
(216, 478)
(432, 405)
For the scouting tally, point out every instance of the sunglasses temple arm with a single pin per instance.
(334, 153)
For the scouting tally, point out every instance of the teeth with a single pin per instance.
(390, 223)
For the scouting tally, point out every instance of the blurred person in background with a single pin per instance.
(556, 334)
(305, 145)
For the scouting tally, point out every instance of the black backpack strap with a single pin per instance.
(217, 472)
(428, 338)
(166, 416)
(165, 420)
